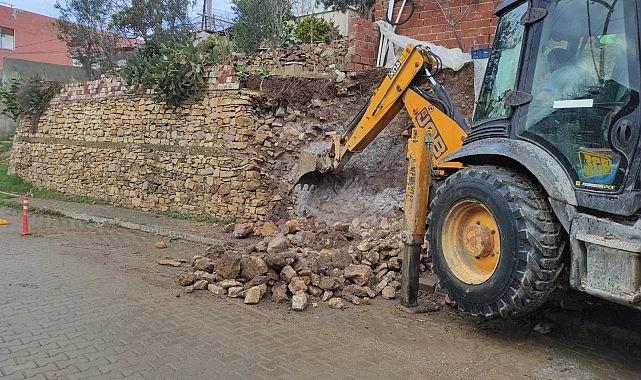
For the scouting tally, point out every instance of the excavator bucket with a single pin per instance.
(313, 164)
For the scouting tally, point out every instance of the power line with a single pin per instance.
(37, 43)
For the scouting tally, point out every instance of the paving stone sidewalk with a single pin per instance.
(88, 301)
(201, 232)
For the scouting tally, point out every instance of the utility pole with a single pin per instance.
(207, 20)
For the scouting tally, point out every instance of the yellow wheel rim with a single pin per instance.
(471, 242)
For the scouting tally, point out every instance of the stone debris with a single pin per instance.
(297, 285)
(243, 230)
(170, 262)
(186, 278)
(388, 293)
(336, 303)
(161, 244)
(217, 289)
(287, 274)
(279, 292)
(204, 264)
(299, 301)
(317, 57)
(200, 285)
(255, 293)
(305, 262)
(235, 291)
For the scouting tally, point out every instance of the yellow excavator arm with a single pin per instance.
(438, 131)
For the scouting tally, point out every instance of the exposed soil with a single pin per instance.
(294, 90)
(372, 182)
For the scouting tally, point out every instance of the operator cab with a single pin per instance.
(565, 76)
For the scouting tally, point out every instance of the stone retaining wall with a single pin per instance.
(98, 140)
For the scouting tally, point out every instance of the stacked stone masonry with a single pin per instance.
(96, 139)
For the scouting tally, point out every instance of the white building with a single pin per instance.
(342, 20)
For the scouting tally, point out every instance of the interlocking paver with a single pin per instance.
(76, 303)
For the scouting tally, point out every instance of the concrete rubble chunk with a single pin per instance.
(235, 291)
(170, 262)
(258, 280)
(204, 264)
(327, 295)
(326, 283)
(217, 289)
(356, 290)
(230, 283)
(287, 274)
(299, 301)
(200, 285)
(187, 278)
(336, 303)
(243, 230)
(359, 274)
(353, 299)
(253, 267)
(227, 264)
(314, 290)
(279, 292)
(278, 244)
(388, 293)
(364, 246)
(254, 294)
(297, 285)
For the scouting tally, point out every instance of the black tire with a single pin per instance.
(531, 242)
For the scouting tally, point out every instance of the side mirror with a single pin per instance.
(533, 15)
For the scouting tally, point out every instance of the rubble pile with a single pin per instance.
(303, 262)
(304, 57)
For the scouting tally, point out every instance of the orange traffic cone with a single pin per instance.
(25, 216)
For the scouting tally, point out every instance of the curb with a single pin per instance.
(152, 229)
(156, 230)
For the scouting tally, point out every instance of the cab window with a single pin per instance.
(502, 69)
(583, 85)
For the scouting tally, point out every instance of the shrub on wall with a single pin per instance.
(315, 29)
(175, 73)
(27, 98)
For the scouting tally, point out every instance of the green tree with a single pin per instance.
(314, 29)
(260, 22)
(154, 21)
(85, 26)
(364, 7)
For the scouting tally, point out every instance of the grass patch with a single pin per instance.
(16, 185)
(196, 218)
(8, 203)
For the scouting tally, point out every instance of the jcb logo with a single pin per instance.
(394, 70)
(424, 120)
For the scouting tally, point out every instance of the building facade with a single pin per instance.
(30, 36)
(475, 24)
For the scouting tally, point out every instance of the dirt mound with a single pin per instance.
(294, 90)
(372, 182)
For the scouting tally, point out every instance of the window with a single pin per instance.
(502, 67)
(585, 85)
(7, 39)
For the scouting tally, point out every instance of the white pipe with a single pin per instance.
(383, 41)
(398, 18)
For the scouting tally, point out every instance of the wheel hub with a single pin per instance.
(471, 242)
(478, 241)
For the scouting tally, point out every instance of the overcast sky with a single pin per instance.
(45, 7)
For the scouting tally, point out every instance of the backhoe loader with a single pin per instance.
(546, 179)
